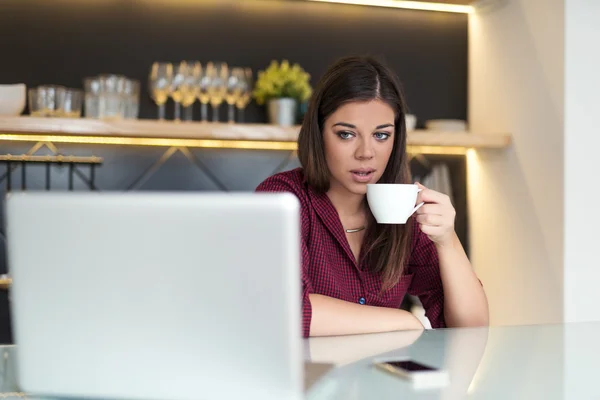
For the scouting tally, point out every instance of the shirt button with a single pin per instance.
(362, 300)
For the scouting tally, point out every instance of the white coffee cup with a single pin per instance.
(392, 203)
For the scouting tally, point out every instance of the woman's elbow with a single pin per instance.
(468, 321)
(477, 322)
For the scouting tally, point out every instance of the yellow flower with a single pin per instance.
(282, 80)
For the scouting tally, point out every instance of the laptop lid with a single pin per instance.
(156, 295)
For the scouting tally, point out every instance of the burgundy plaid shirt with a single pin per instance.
(329, 267)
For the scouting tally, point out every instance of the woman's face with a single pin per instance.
(358, 139)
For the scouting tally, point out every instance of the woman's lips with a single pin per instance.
(362, 175)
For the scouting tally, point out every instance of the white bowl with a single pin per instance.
(411, 122)
(12, 99)
(446, 125)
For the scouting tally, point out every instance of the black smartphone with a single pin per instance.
(423, 376)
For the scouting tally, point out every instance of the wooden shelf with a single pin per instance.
(148, 128)
(459, 2)
(211, 135)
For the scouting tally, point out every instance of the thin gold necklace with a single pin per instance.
(355, 230)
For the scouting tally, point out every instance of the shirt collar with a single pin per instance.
(331, 219)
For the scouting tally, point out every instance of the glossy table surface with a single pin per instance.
(522, 362)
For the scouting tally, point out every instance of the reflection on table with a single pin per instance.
(524, 362)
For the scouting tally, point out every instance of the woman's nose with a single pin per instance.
(365, 150)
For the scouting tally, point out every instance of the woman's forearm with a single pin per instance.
(331, 316)
(465, 302)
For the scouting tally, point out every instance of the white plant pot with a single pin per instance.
(282, 111)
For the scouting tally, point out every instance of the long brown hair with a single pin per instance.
(386, 248)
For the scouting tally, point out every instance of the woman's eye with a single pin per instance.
(382, 135)
(345, 135)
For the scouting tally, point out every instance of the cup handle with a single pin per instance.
(418, 205)
(416, 208)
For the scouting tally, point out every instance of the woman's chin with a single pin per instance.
(359, 189)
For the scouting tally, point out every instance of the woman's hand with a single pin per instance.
(436, 216)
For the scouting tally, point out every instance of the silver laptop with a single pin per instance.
(148, 296)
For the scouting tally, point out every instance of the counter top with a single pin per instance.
(212, 135)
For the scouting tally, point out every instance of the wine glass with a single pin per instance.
(217, 88)
(233, 91)
(161, 77)
(185, 86)
(243, 99)
(202, 92)
(179, 72)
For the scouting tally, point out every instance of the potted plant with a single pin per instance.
(282, 87)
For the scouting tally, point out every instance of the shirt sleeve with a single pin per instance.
(427, 282)
(280, 184)
(306, 290)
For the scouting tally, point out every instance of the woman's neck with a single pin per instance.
(347, 204)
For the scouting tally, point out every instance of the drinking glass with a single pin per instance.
(202, 91)
(185, 87)
(131, 95)
(161, 77)
(217, 88)
(92, 97)
(69, 103)
(246, 84)
(233, 91)
(111, 102)
(44, 101)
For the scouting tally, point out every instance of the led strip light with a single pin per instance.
(413, 5)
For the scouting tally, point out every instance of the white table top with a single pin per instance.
(524, 362)
(509, 363)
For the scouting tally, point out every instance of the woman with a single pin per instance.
(356, 272)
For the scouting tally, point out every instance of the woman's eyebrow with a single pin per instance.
(347, 125)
